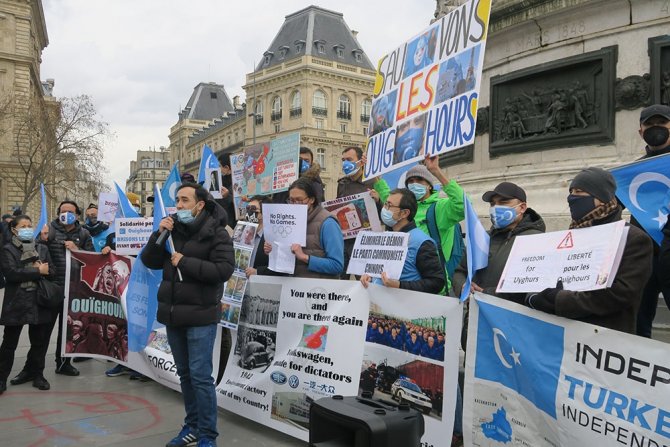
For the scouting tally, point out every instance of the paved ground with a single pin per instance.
(95, 410)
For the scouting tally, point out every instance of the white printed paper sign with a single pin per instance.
(354, 213)
(108, 203)
(375, 253)
(283, 226)
(583, 259)
(132, 233)
(539, 380)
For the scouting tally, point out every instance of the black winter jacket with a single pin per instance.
(20, 306)
(56, 243)
(208, 261)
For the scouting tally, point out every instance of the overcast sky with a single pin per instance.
(140, 59)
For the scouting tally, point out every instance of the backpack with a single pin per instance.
(457, 249)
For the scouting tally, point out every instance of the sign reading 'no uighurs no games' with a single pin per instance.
(427, 89)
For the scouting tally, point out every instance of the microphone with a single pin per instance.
(162, 237)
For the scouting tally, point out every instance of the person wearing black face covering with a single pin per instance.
(655, 131)
(592, 202)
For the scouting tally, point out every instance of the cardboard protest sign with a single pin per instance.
(427, 91)
(108, 204)
(96, 325)
(354, 213)
(265, 168)
(132, 234)
(583, 259)
(284, 225)
(532, 378)
(374, 253)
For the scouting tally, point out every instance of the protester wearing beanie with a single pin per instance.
(449, 211)
(592, 202)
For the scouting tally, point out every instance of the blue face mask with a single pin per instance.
(67, 218)
(502, 216)
(185, 216)
(25, 234)
(408, 145)
(349, 168)
(418, 190)
(304, 165)
(387, 217)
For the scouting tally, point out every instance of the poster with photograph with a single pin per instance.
(427, 92)
(265, 168)
(295, 343)
(411, 355)
(355, 213)
(96, 325)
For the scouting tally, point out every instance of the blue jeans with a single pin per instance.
(192, 351)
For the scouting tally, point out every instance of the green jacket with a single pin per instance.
(449, 211)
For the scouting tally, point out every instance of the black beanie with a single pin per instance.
(597, 182)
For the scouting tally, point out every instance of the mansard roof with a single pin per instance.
(317, 32)
(208, 101)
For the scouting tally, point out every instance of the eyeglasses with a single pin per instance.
(297, 201)
(389, 205)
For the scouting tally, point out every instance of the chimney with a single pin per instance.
(354, 33)
(236, 102)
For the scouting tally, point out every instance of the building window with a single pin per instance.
(299, 46)
(212, 95)
(321, 158)
(321, 48)
(282, 52)
(296, 104)
(319, 123)
(358, 56)
(343, 128)
(366, 108)
(276, 109)
(319, 107)
(277, 127)
(258, 113)
(344, 108)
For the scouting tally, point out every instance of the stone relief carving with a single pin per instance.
(665, 88)
(444, 7)
(562, 103)
(482, 125)
(659, 55)
(632, 92)
(543, 109)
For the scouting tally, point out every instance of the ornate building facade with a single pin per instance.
(23, 37)
(148, 168)
(314, 79)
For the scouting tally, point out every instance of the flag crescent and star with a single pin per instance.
(640, 180)
(497, 333)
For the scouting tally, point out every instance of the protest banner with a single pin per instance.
(303, 339)
(132, 234)
(644, 188)
(583, 259)
(108, 204)
(427, 91)
(354, 213)
(244, 237)
(265, 168)
(575, 385)
(374, 253)
(284, 225)
(96, 324)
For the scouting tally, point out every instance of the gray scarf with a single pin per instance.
(28, 256)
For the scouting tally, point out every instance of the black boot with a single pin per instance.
(22, 377)
(41, 383)
(3, 386)
(66, 369)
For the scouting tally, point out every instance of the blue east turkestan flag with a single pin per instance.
(477, 242)
(142, 292)
(207, 161)
(644, 187)
(44, 218)
(169, 190)
(511, 352)
(100, 239)
(125, 208)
